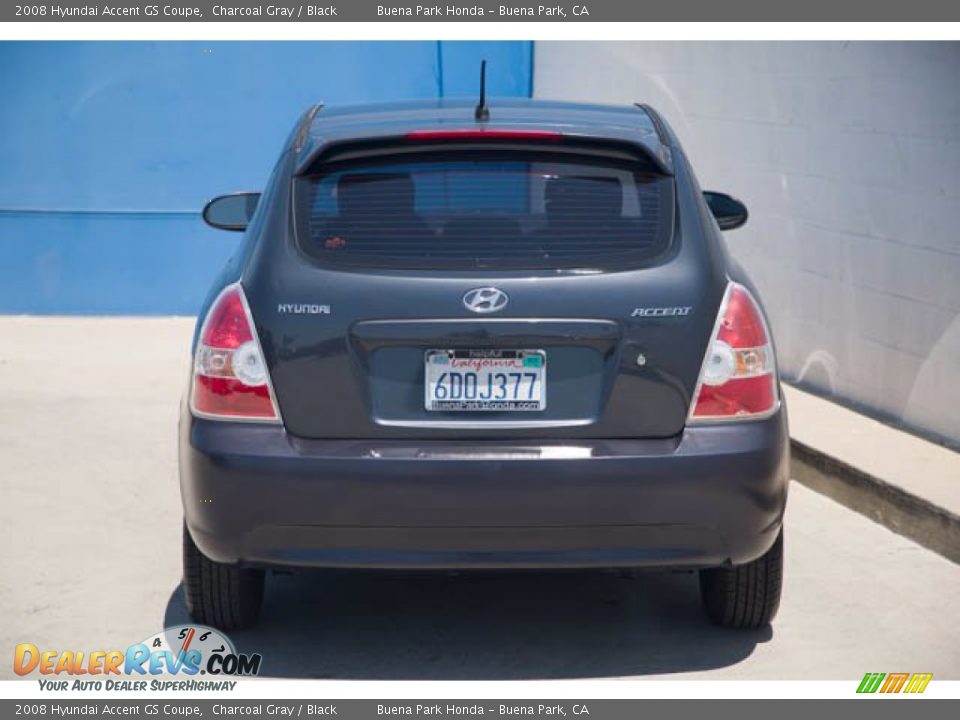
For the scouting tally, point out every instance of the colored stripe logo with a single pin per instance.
(894, 682)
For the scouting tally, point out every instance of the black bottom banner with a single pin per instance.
(501, 709)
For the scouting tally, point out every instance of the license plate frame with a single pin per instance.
(509, 393)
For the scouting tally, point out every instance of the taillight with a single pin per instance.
(738, 379)
(230, 379)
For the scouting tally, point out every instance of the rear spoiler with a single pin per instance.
(666, 146)
(621, 142)
(303, 129)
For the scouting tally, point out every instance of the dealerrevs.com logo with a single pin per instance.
(170, 660)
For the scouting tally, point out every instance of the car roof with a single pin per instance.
(324, 126)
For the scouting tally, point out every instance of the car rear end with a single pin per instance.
(459, 345)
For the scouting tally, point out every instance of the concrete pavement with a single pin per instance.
(902, 481)
(90, 558)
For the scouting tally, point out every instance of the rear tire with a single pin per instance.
(746, 596)
(226, 597)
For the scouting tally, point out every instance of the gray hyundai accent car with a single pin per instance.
(507, 336)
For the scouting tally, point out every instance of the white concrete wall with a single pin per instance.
(848, 156)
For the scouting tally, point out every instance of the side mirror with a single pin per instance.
(729, 212)
(231, 212)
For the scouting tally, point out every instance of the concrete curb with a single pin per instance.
(907, 514)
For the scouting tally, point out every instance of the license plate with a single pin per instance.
(485, 380)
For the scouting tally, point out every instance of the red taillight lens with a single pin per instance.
(738, 378)
(230, 378)
(227, 326)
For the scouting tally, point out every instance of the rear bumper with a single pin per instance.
(254, 494)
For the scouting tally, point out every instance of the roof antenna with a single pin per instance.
(482, 114)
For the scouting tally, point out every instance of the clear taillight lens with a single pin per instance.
(230, 379)
(738, 379)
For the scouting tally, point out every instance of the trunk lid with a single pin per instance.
(371, 274)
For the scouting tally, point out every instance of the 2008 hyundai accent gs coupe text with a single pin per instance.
(504, 337)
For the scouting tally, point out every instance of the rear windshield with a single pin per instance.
(486, 210)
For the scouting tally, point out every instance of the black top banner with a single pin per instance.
(479, 11)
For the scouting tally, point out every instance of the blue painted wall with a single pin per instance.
(108, 151)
